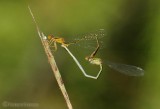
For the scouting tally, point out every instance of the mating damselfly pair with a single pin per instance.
(129, 70)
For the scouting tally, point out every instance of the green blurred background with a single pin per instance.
(132, 37)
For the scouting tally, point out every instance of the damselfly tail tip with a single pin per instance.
(141, 71)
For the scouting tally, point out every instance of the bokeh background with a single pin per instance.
(132, 37)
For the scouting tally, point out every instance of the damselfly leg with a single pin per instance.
(52, 40)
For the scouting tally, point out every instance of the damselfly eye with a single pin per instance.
(50, 37)
(87, 58)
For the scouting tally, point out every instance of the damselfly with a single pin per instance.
(129, 70)
(64, 44)
(87, 40)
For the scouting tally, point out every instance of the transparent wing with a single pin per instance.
(92, 36)
(89, 40)
(129, 70)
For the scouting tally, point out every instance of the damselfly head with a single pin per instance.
(87, 58)
(49, 37)
(95, 61)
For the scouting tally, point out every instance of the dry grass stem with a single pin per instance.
(52, 63)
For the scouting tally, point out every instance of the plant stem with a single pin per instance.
(52, 62)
